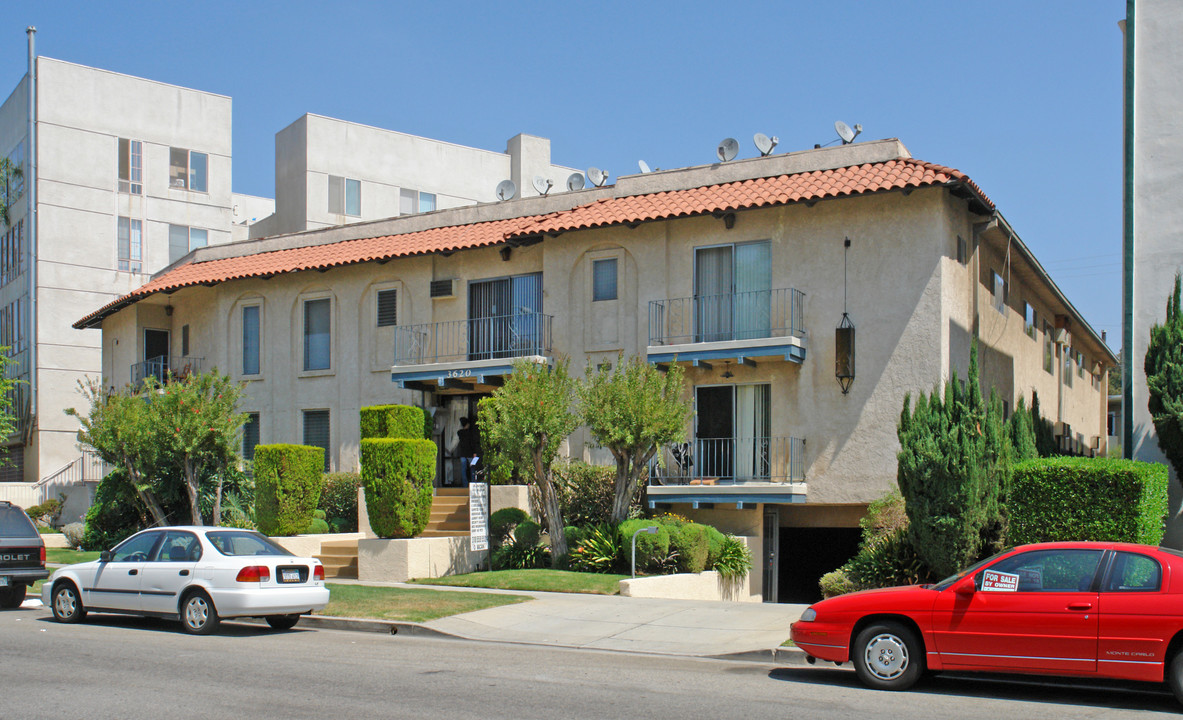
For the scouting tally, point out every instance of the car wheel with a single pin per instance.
(12, 596)
(198, 614)
(887, 656)
(282, 622)
(1175, 675)
(67, 606)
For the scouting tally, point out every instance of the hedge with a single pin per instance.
(397, 475)
(393, 421)
(652, 548)
(287, 487)
(1088, 499)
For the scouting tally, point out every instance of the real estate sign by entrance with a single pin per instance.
(478, 516)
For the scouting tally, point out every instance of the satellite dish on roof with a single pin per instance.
(765, 144)
(575, 181)
(506, 190)
(727, 150)
(542, 185)
(597, 176)
(644, 166)
(846, 133)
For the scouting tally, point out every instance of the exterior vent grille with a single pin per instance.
(441, 289)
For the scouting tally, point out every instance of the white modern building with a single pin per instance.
(332, 172)
(1152, 248)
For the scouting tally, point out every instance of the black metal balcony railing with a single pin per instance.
(503, 336)
(164, 366)
(723, 461)
(727, 317)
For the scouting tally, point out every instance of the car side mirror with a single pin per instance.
(105, 556)
(966, 586)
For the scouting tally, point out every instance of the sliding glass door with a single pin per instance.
(732, 292)
(504, 317)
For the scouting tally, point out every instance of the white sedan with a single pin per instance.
(197, 574)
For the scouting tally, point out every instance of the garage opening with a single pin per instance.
(807, 553)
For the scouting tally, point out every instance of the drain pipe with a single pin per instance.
(31, 220)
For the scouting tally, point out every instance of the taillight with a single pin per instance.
(42, 556)
(254, 573)
(318, 572)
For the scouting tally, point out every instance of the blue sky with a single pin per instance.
(1024, 97)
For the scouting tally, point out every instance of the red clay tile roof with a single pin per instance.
(758, 192)
(317, 257)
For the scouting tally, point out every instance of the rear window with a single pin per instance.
(15, 523)
(236, 543)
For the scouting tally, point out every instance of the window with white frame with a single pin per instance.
(188, 169)
(251, 333)
(1069, 354)
(14, 182)
(998, 288)
(250, 436)
(412, 201)
(387, 308)
(1049, 350)
(316, 431)
(183, 240)
(130, 244)
(344, 196)
(1080, 365)
(1029, 320)
(131, 166)
(185, 340)
(318, 334)
(604, 279)
(12, 326)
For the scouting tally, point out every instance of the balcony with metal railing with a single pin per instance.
(164, 367)
(733, 326)
(729, 470)
(459, 355)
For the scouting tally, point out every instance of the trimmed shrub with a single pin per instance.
(586, 492)
(689, 540)
(527, 532)
(393, 421)
(74, 533)
(653, 550)
(502, 524)
(46, 513)
(715, 540)
(834, 583)
(318, 526)
(397, 476)
(339, 501)
(287, 487)
(1088, 499)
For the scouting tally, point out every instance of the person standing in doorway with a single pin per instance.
(469, 448)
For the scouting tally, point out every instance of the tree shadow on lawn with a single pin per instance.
(1090, 692)
(230, 627)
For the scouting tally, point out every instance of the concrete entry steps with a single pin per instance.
(449, 513)
(339, 558)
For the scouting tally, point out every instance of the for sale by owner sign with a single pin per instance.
(999, 581)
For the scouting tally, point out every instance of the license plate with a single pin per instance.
(291, 576)
(3, 581)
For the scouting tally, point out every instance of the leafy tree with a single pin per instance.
(633, 409)
(120, 429)
(199, 410)
(528, 418)
(953, 462)
(1022, 433)
(1164, 380)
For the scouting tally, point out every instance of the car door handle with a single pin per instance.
(184, 573)
(132, 572)
(1080, 606)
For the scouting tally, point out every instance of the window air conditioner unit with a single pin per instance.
(1062, 336)
(1096, 443)
(1097, 369)
(444, 289)
(1062, 429)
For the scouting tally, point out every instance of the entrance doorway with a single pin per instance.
(771, 554)
(156, 348)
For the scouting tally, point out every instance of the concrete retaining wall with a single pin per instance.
(687, 586)
(400, 560)
(309, 545)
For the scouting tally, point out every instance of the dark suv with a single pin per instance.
(22, 555)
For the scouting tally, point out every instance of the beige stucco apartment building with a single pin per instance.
(739, 271)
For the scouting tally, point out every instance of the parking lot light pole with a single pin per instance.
(652, 530)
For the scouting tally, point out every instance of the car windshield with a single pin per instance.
(944, 584)
(14, 522)
(244, 542)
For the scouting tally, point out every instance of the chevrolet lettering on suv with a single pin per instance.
(22, 555)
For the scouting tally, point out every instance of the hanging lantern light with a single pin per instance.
(844, 337)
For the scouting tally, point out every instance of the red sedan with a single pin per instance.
(1112, 610)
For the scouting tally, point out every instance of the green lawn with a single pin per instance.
(408, 604)
(66, 556)
(540, 580)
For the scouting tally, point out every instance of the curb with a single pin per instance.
(384, 627)
(775, 656)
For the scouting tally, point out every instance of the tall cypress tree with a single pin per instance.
(1164, 380)
(1022, 433)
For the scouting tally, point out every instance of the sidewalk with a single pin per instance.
(610, 622)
